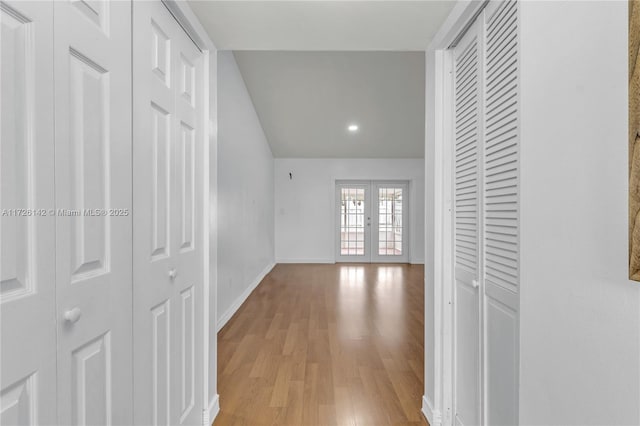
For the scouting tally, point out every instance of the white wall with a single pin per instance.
(245, 192)
(304, 205)
(580, 315)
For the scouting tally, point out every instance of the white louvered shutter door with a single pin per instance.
(501, 212)
(467, 130)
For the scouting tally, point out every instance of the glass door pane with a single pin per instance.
(390, 222)
(354, 222)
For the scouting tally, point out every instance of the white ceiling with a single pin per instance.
(313, 67)
(306, 100)
(321, 24)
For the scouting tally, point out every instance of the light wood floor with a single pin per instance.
(326, 345)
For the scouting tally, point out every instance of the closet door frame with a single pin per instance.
(438, 400)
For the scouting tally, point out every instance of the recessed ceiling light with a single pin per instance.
(353, 127)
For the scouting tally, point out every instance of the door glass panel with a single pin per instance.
(390, 221)
(352, 221)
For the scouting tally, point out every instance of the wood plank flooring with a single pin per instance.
(326, 345)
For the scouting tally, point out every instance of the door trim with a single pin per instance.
(185, 17)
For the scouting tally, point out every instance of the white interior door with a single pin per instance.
(168, 240)
(27, 225)
(92, 55)
(390, 224)
(466, 179)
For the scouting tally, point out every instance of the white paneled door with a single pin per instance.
(81, 205)
(372, 221)
(92, 66)
(27, 264)
(168, 240)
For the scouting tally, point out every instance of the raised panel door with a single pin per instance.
(93, 201)
(168, 253)
(27, 223)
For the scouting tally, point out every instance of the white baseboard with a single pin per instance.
(331, 261)
(305, 261)
(213, 410)
(226, 316)
(434, 417)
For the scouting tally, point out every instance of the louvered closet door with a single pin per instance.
(467, 130)
(501, 212)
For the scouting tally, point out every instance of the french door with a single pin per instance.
(372, 221)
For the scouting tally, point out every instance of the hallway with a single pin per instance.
(326, 344)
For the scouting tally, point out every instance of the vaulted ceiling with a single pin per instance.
(315, 67)
(307, 100)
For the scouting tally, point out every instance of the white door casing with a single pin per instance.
(467, 219)
(168, 238)
(27, 225)
(92, 66)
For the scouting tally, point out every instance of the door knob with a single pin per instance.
(475, 284)
(72, 315)
(173, 273)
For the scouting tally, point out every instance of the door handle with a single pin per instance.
(475, 283)
(72, 315)
(173, 273)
